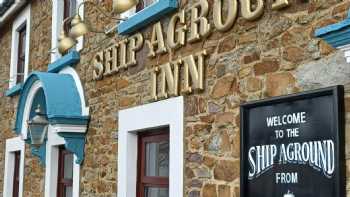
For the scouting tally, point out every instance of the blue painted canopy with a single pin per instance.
(62, 100)
(337, 34)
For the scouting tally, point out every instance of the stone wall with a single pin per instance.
(274, 55)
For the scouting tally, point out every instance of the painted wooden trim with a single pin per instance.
(23, 17)
(70, 59)
(337, 34)
(346, 50)
(131, 121)
(15, 90)
(13, 145)
(52, 144)
(146, 16)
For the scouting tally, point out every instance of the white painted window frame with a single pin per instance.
(346, 50)
(51, 173)
(140, 119)
(13, 145)
(132, 11)
(23, 17)
(57, 19)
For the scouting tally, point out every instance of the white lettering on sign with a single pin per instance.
(286, 178)
(295, 118)
(318, 154)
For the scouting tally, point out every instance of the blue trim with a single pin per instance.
(61, 95)
(78, 120)
(15, 90)
(70, 59)
(75, 143)
(60, 100)
(337, 34)
(146, 16)
(39, 152)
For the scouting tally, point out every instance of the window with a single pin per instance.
(21, 53)
(14, 168)
(139, 144)
(140, 6)
(62, 173)
(69, 10)
(63, 9)
(65, 173)
(16, 179)
(20, 48)
(153, 158)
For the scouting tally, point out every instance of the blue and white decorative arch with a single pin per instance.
(60, 97)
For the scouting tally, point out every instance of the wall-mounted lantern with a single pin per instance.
(80, 28)
(120, 6)
(37, 127)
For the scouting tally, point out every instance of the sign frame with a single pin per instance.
(337, 92)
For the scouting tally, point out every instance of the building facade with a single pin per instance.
(152, 107)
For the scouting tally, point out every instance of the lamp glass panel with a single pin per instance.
(36, 133)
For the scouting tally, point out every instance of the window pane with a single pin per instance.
(69, 192)
(157, 159)
(149, 2)
(73, 7)
(156, 192)
(68, 166)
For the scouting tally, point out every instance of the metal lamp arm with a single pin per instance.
(65, 20)
(105, 31)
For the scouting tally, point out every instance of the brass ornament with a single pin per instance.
(200, 26)
(179, 33)
(279, 4)
(65, 43)
(120, 6)
(247, 12)
(79, 28)
(231, 15)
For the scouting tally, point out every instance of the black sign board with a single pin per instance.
(293, 146)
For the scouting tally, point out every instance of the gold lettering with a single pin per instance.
(180, 32)
(98, 66)
(200, 26)
(123, 55)
(110, 61)
(279, 4)
(157, 41)
(154, 83)
(231, 15)
(135, 44)
(247, 13)
(193, 71)
(170, 80)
